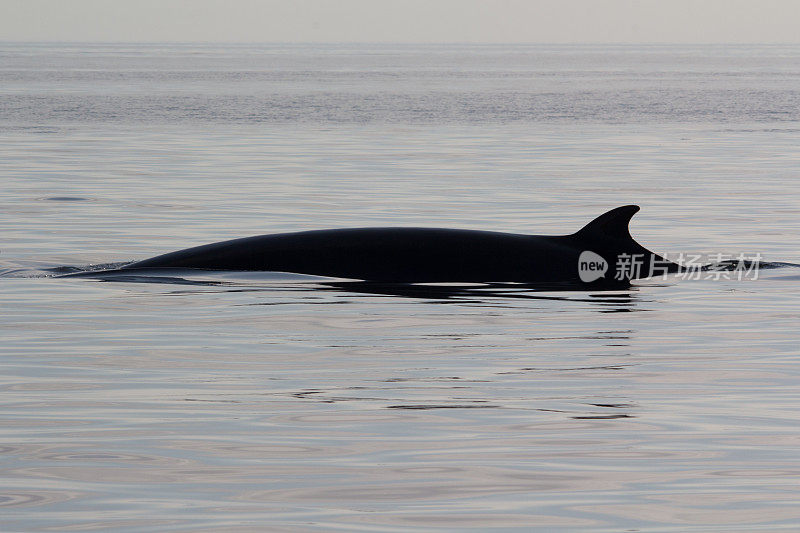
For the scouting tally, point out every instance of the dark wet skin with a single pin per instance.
(415, 255)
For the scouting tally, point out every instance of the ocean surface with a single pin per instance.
(261, 401)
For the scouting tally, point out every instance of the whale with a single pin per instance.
(603, 251)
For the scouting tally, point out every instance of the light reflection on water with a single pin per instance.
(383, 412)
(234, 401)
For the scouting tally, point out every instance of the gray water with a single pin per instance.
(260, 401)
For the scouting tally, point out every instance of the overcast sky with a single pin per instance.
(554, 21)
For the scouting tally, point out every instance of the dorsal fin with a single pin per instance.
(611, 224)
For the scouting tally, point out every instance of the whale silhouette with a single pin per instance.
(592, 255)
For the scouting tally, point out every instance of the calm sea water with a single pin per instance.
(245, 402)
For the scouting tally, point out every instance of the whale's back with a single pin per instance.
(381, 254)
(423, 254)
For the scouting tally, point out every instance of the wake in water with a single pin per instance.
(616, 292)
